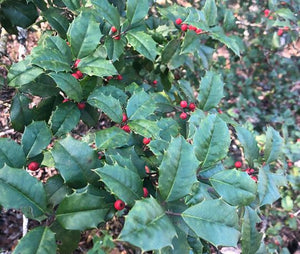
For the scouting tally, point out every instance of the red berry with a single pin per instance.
(178, 21)
(279, 32)
(76, 63)
(198, 31)
(154, 82)
(99, 157)
(65, 100)
(147, 170)
(277, 242)
(113, 29)
(290, 164)
(126, 128)
(146, 141)
(145, 192)
(220, 111)
(271, 17)
(33, 166)
(254, 178)
(238, 164)
(118, 37)
(286, 28)
(119, 205)
(192, 106)
(267, 12)
(124, 118)
(184, 27)
(183, 116)
(183, 104)
(81, 105)
(192, 28)
(79, 74)
(109, 78)
(75, 75)
(119, 77)
(292, 215)
(250, 171)
(68, 43)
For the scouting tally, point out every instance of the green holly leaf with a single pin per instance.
(152, 221)
(177, 171)
(210, 12)
(93, 65)
(57, 21)
(73, 5)
(11, 154)
(194, 121)
(170, 50)
(64, 118)
(68, 239)
(84, 34)
(251, 238)
(268, 184)
(22, 73)
(274, 145)
(123, 182)
(108, 12)
(114, 48)
(191, 43)
(140, 106)
(20, 114)
(38, 240)
(76, 173)
(249, 144)
(19, 13)
(42, 86)
(235, 187)
(60, 58)
(211, 141)
(212, 220)
(143, 43)
(108, 104)
(56, 189)
(111, 138)
(217, 33)
(36, 138)
(211, 91)
(136, 10)
(145, 128)
(81, 211)
(20, 190)
(68, 84)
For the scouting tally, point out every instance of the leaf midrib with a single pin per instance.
(178, 157)
(23, 195)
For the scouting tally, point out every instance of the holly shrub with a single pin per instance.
(146, 69)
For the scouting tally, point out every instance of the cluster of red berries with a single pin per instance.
(118, 77)
(125, 127)
(113, 31)
(120, 205)
(249, 171)
(184, 104)
(78, 74)
(184, 27)
(282, 30)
